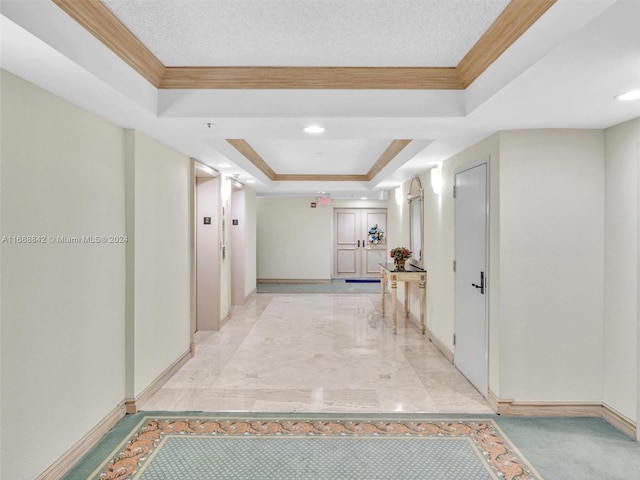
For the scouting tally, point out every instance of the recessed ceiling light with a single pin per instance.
(314, 129)
(224, 165)
(630, 95)
(363, 198)
(251, 181)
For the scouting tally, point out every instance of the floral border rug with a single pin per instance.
(164, 447)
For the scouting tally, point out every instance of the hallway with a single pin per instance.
(316, 353)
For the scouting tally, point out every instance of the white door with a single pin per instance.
(347, 238)
(470, 350)
(359, 242)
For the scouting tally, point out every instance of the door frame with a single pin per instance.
(199, 169)
(487, 255)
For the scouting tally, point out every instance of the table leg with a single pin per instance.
(423, 301)
(406, 299)
(394, 303)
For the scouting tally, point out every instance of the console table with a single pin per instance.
(409, 274)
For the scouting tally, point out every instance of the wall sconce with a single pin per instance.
(436, 178)
(399, 195)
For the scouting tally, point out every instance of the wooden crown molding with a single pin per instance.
(250, 154)
(319, 78)
(247, 151)
(516, 18)
(394, 148)
(105, 26)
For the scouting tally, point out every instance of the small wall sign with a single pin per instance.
(207, 220)
(234, 221)
(313, 204)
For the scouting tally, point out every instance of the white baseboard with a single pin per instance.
(448, 354)
(61, 466)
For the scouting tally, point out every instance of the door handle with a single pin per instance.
(358, 243)
(481, 286)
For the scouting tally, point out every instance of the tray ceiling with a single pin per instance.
(312, 33)
(397, 85)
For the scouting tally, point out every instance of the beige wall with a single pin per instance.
(551, 265)
(545, 262)
(243, 245)
(439, 242)
(621, 268)
(225, 260)
(62, 303)
(250, 242)
(162, 272)
(563, 263)
(294, 241)
(84, 325)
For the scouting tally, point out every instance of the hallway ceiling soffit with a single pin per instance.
(512, 22)
(96, 17)
(398, 86)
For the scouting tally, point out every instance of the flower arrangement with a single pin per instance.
(376, 236)
(400, 253)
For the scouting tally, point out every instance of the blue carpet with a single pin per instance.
(337, 285)
(324, 458)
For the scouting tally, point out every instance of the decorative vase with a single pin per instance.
(400, 264)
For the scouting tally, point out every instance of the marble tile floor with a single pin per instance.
(316, 353)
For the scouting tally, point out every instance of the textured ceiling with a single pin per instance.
(310, 156)
(541, 65)
(308, 32)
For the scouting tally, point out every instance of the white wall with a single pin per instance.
(552, 264)
(62, 338)
(621, 268)
(162, 264)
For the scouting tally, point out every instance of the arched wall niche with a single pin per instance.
(416, 222)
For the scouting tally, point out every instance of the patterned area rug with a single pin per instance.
(167, 447)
